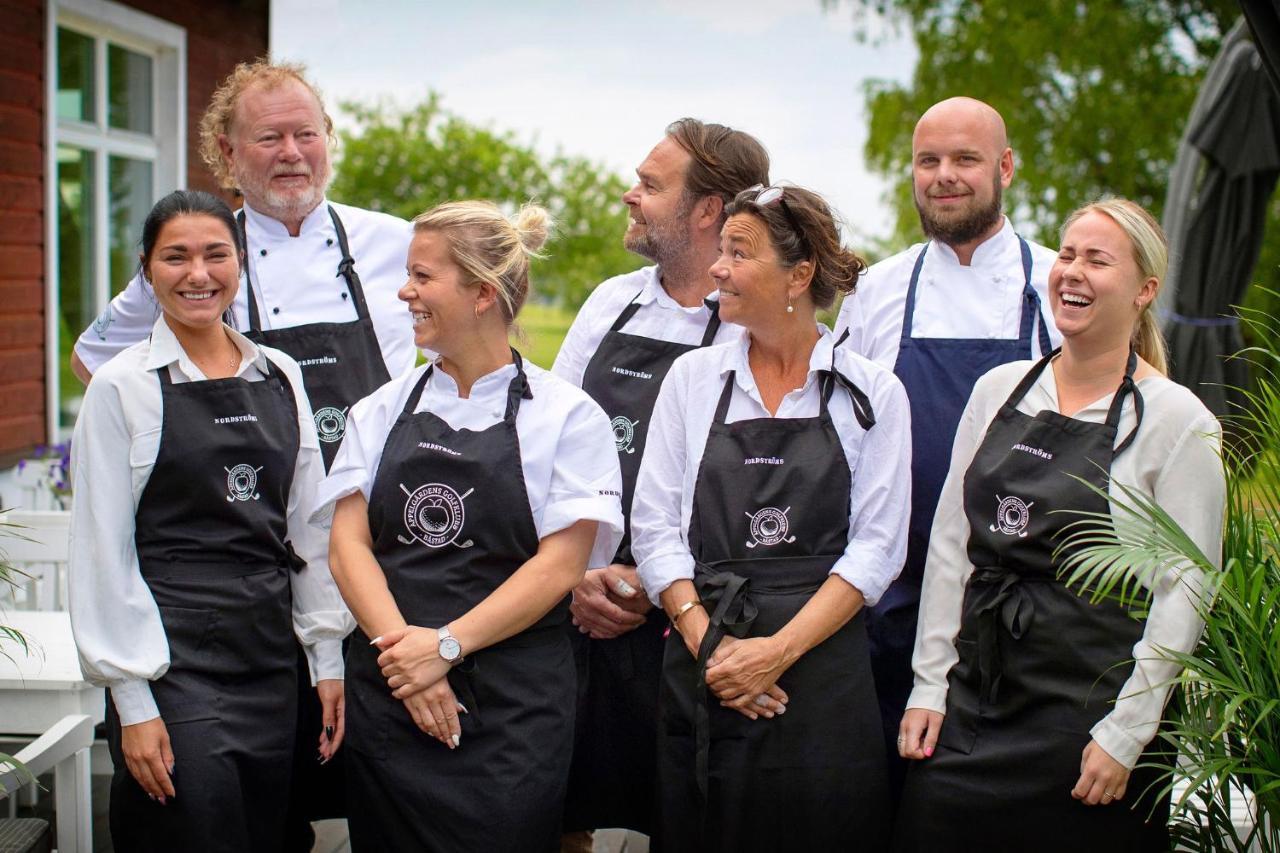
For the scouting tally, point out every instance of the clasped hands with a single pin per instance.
(410, 661)
(609, 602)
(743, 674)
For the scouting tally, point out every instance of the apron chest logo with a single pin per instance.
(331, 424)
(434, 515)
(1012, 517)
(769, 526)
(318, 360)
(624, 432)
(242, 483)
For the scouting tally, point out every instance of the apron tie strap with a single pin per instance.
(1005, 605)
(732, 612)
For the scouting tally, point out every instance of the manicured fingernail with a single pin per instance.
(928, 752)
(161, 799)
(328, 732)
(782, 710)
(457, 739)
(625, 588)
(376, 640)
(463, 708)
(151, 797)
(172, 767)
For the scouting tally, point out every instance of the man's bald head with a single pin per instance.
(960, 164)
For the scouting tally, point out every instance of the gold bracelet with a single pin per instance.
(685, 608)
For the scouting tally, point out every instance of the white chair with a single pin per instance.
(64, 748)
(40, 548)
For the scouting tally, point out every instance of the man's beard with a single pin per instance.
(283, 206)
(968, 227)
(662, 244)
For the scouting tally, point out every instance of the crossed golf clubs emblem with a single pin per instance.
(624, 431)
(1012, 517)
(331, 423)
(434, 515)
(769, 526)
(242, 482)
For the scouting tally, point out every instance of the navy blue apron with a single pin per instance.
(939, 375)
(614, 762)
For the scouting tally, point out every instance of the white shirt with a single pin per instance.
(880, 497)
(659, 318)
(567, 452)
(982, 300)
(114, 617)
(295, 281)
(1173, 459)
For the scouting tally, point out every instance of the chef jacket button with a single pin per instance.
(328, 241)
(262, 252)
(275, 310)
(344, 294)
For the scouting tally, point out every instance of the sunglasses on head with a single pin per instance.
(763, 196)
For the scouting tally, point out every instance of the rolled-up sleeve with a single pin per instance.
(586, 481)
(127, 319)
(356, 462)
(880, 496)
(114, 617)
(657, 512)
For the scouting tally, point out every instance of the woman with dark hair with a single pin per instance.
(770, 508)
(192, 566)
(1034, 714)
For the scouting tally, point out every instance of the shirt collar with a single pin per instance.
(318, 218)
(166, 350)
(490, 385)
(653, 291)
(990, 253)
(820, 359)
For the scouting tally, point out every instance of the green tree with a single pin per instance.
(406, 161)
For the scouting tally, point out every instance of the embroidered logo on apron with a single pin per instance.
(434, 515)
(769, 526)
(102, 322)
(624, 432)
(331, 423)
(1012, 517)
(242, 483)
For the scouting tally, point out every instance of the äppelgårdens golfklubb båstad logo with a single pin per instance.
(769, 526)
(434, 515)
(624, 432)
(242, 483)
(1012, 516)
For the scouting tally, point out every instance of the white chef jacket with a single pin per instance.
(880, 497)
(982, 300)
(1174, 459)
(659, 318)
(295, 281)
(567, 452)
(114, 617)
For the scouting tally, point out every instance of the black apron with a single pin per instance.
(1039, 664)
(447, 532)
(210, 534)
(770, 518)
(341, 363)
(611, 783)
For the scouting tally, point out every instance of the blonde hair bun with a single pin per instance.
(533, 224)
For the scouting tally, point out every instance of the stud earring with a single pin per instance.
(790, 308)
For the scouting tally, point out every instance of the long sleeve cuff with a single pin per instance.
(1118, 742)
(133, 700)
(929, 698)
(868, 569)
(324, 659)
(658, 573)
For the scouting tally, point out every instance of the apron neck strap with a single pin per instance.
(255, 324)
(1127, 386)
(909, 310)
(518, 389)
(416, 394)
(347, 267)
(722, 408)
(1030, 379)
(626, 315)
(713, 325)
(1032, 310)
(861, 403)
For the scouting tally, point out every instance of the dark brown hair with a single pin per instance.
(725, 161)
(803, 228)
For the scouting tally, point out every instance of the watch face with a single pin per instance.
(450, 650)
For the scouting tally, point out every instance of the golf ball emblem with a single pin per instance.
(624, 432)
(242, 483)
(1012, 517)
(434, 515)
(769, 526)
(331, 424)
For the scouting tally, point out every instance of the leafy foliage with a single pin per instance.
(406, 161)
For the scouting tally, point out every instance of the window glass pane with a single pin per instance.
(75, 267)
(128, 89)
(75, 76)
(130, 184)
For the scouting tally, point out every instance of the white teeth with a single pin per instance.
(419, 316)
(1076, 300)
(197, 294)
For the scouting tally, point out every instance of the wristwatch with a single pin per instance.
(450, 648)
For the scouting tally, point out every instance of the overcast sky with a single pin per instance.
(603, 79)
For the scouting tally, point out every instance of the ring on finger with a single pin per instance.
(1107, 795)
(762, 701)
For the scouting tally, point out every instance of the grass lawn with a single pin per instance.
(545, 327)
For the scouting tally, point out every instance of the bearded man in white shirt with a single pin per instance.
(618, 350)
(940, 315)
(319, 282)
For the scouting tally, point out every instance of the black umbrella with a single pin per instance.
(1226, 170)
(1264, 22)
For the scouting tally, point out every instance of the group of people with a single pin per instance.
(722, 575)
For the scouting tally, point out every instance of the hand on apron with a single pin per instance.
(918, 733)
(743, 674)
(625, 589)
(149, 757)
(410, 659)
(1102, 778)
(594, 611)
(333, 714)
(435, 711)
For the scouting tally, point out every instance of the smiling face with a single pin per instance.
(1096, 288)
(443, 308)
(193, 270)
(277, 150)
(960, 167)
(660, 227)
(754, 286)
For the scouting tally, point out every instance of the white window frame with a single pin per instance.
(166, 146)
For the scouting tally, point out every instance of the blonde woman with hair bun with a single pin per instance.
(1034, 715)
(467, 500)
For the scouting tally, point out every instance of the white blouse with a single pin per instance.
(880, 497)
(567, 452)
(1174, 459)
(295, 283)
(659, 318)
(114, 617)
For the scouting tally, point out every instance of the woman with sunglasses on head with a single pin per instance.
(1035, 709)
(192, 563)
(468, 498)
(770, 508)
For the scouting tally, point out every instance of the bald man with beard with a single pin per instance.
(940, 315)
